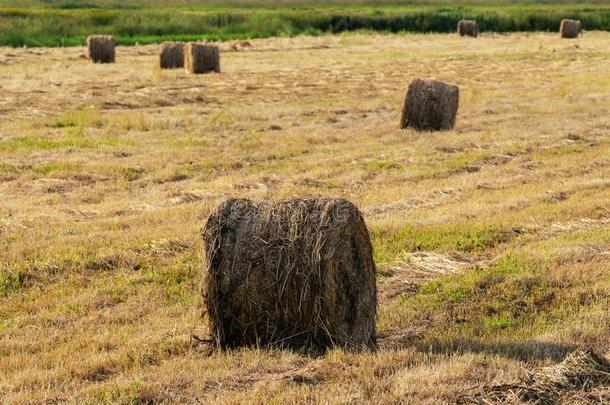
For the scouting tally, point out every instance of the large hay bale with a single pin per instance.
(570, 28)
(468, 27)
(297, 273)
(171, 55)
(101, 48)
(430, 105)
(200, 58)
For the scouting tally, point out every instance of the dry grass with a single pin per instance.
(496, 233)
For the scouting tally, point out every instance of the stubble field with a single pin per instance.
(492, 241)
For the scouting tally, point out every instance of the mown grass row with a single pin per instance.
(66, 27)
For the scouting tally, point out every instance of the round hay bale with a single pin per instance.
(430, 105)
(101, 48)
(468, 28)
(296, 273)
(200, 58)
(570, 28)
(171, 55)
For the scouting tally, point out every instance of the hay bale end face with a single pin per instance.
(297, 273)
(468, 28)
(430, 105)
(570, 28)
(171, 55)
(101, 48)
(200, 58)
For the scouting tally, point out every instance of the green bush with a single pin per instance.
(70, 23)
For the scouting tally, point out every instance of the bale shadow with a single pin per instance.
(523, 351)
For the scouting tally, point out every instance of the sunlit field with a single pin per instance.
(492, 240)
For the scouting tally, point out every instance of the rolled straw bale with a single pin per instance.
(468, 27)
(296, 273)
(570, 28)
(430, 105)
(101, 48)
(171, 55)
(200, 58)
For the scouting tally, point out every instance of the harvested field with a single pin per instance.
(491, 240)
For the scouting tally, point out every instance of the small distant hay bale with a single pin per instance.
(570, 28)
(468, 28)
(101, 48)
(171, 55)
(296, 273)
(430, 105)
(199, 58)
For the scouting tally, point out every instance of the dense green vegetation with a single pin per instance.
(56, 23)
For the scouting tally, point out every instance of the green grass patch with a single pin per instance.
(12, 281)
(28, 143)
(190, 142)
(35, 143)
(378, 165)
(79, 119)
(55, 168)
(191, 169)
(74, 135)
(392, 242)
(177, 280)
(517, 296)
(8, 168)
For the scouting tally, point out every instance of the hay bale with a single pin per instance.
(297, 273)
(101, 48)
(430, 105)
(200, 58)
(570, 28)
(468, 27)
(171, 55)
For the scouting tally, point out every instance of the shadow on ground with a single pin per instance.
(524, 351)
